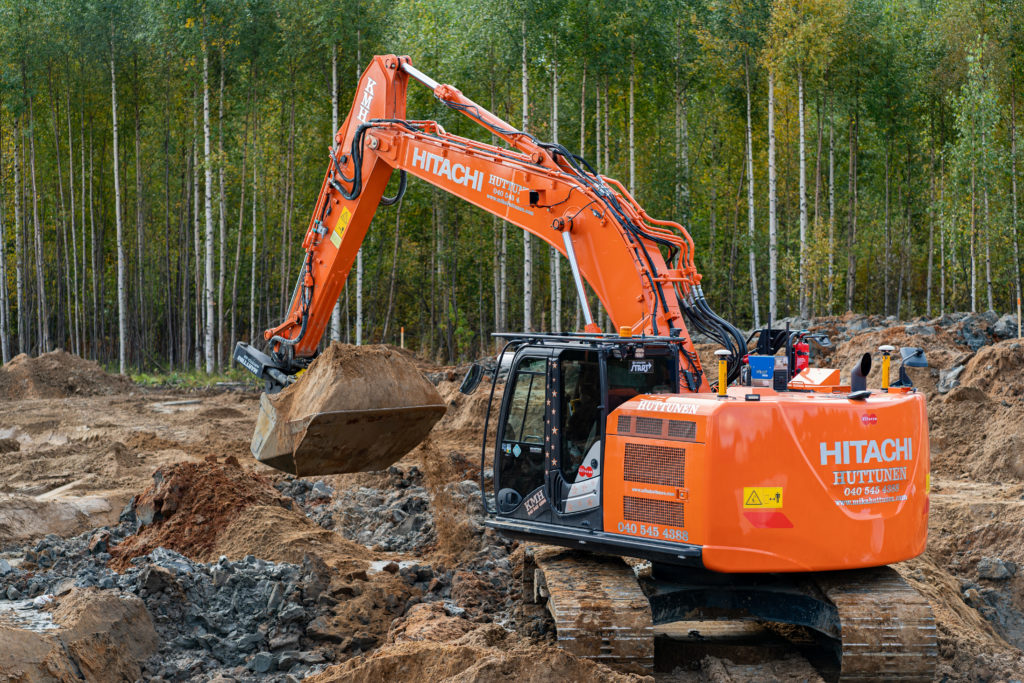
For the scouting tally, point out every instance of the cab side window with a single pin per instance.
(526, 414)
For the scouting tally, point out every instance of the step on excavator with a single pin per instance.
(763, 489)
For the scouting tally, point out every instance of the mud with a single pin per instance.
(114, 495)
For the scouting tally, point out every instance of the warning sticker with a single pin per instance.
(339, 229)
(762, 497)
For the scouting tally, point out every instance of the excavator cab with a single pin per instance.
(552, 423)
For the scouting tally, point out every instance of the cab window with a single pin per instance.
(525, 422)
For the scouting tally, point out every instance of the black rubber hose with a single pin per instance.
(391, 201)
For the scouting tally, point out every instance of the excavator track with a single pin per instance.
(878, 626)
(599, 609)
(887, 628)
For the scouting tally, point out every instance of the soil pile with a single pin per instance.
(188, 506)
(485, 654)
(976, 413)
(100, 635)
(57, 374)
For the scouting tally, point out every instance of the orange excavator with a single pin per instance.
(766, 490)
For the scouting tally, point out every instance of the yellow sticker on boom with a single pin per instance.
(762, 497)
(339, 228)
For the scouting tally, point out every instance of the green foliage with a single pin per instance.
(927, 86)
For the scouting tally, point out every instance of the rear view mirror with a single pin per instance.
(913, 357)
(472, 379)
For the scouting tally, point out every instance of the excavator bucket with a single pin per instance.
(355, 409)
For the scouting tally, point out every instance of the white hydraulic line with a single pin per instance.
(570, 255)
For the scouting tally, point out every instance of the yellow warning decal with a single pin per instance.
(339, 229)
(928, 483)
(762, 496)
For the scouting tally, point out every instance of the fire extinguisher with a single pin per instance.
(802, 356)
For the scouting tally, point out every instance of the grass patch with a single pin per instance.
(193, 379)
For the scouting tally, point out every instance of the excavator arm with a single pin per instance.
(641, 269)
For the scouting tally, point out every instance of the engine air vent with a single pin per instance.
(682, 429)
(649, 426)
(625, 423)
(664, 512)
(648, 464)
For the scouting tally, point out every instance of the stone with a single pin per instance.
(292, 612)
(276, 596)
(320, 629)
(5, 567)
(100, 542)
(996, 569)
(949, 379)
(13, 593)
(321, 490)
(262, 662)
(1005, 327)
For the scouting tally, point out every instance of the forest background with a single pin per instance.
(159, 160)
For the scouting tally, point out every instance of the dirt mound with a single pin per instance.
(998, 370)
(57, 374)
(942, 350)
(463, 425)
(274, 533)
(975, 426)
(461, 661)
(100, 635)
(189, 504)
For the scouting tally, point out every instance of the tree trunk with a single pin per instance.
(5, 348)
(750, 200)
(887, 257)
(831, 211)
(942, 236)
(44, 311)
(553, 260)
(93, 253)
(255, 201)
(336, 311)
(19, 253)
(241, 225)
(632, 126)
(359, 254)
(804, 307)
(222, 219)
(682, 139)
(851, 237)
(527, 246)
(197, 328)
(394, 273)
(988, 247)
(139, 230)
(973, 240)
(208, 345)
(75, 301)
(931, 229)
(1013, 187)
(773, 229)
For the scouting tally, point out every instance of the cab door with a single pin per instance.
(522, 436)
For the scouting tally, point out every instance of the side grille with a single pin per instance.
(652, 511)
(655, 464)
(649, 426)
(625, 423)
(682, 429)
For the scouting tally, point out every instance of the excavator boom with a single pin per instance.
(641, 269)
